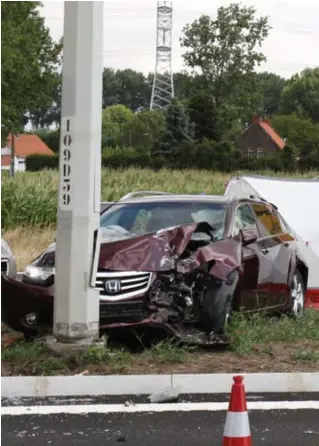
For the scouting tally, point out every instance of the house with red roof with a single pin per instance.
(259, 139)
(25, 144)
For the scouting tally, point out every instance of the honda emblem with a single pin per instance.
(112, 286)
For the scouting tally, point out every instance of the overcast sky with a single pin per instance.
(130, 31)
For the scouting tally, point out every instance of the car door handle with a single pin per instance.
(265, 251)
(286, 244)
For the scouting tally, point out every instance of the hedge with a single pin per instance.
(39, 162)
(124, 158)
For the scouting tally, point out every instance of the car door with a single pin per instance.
(280, 244)
(254, 284)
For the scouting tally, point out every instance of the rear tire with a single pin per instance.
(297, 295)
(218, 304)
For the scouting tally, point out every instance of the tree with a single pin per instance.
(300, 133)
(177, 129)
(45, 116)
(289, 156)
(50, 137)
(271, 86)
(126, 87)
(225, 46)
(186, 85)
(144, 129)
(29, 61)
(114, 120)
(202, 113)
(225, 52)
(301, 95)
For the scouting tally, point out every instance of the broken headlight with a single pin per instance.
(40, 275)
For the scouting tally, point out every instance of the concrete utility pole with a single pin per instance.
(76, 303)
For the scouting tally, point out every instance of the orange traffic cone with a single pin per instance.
(237, 430)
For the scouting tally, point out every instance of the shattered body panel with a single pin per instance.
(182, 268)
(165, 251)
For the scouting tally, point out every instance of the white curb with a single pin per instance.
(51, 386)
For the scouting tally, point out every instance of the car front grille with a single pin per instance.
(116, 286)
(4, 266)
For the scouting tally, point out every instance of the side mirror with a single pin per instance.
(248, 236)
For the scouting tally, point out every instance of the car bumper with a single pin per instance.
(19, 299)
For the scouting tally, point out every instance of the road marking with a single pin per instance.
(140, 408)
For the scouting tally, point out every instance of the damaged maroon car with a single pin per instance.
(180, 262)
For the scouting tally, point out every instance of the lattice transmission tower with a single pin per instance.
(163, 85)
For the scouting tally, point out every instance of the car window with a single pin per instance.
(141, 218)
(244, 219)
(268, 219)
(284, 225)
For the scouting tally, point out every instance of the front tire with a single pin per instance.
(297, 295)
(218, 304)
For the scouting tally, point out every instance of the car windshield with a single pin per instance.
(142, 218)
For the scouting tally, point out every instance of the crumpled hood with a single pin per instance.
(165, 250)
(109, 234)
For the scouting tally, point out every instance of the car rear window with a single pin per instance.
(268, 219)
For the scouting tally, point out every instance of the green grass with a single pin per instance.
(310, 355)
(248, 332)
(170, 352)
(32, 358)
(254, 336)
(35, 358)
(30, 199)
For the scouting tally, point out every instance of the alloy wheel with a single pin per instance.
(297, 296)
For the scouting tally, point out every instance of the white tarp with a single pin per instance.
(298, 203)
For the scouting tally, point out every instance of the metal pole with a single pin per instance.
(13, 154)
(76, 303)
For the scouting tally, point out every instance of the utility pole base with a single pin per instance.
(76, 332)
(77, 346)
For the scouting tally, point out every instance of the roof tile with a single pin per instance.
(273, 134)
(27, 144)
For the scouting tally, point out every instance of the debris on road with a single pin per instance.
(168, 395)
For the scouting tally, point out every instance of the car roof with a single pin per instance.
(221, 199)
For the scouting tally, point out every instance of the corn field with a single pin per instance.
(30, 199)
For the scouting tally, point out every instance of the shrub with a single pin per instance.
(125, 158)
(209, 155)
(35, 163)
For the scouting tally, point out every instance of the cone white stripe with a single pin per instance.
(237, 425)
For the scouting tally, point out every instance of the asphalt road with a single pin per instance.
(269, 428)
